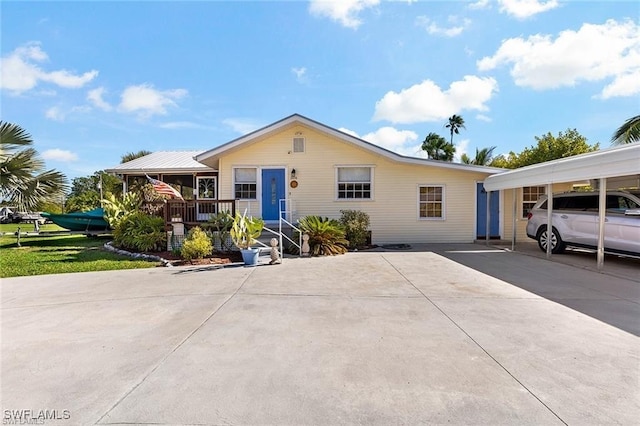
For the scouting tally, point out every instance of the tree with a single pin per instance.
(85, 191)
(629, 132)
(437, 148)
(548, 148)
(456, 122)
(23, 180)
(483, 157)
(133, 155)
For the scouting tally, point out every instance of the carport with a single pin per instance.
(614, 167)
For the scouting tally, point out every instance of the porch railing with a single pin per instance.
(196, 211)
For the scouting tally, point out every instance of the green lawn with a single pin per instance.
(40, 255)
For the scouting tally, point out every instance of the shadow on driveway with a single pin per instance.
(612, 297)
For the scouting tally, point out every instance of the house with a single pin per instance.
(297, 167)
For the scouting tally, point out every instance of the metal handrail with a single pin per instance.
(283, 220)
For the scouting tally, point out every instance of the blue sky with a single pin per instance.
(91, 81)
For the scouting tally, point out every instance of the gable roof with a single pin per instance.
(215, 153)
(166, 162)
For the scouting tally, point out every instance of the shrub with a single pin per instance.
(140, 232)
(220, 226)
(326, 236)
(197, 245)
(116, 209)
(245, 230)
(356, 225)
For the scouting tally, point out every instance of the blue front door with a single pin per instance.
(481, 213)
(272, 192)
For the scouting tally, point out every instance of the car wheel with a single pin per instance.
(557, 245)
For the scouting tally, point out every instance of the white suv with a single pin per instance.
(575, 222)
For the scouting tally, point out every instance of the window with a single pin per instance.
(530, 195)
(245, 183)
(183, 183)
(354, 183)
(298, 144)
(431, 202)
(206, 188)
(620, 204)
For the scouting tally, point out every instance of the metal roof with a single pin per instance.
(162, 162)
(607, 163)
(213, 154)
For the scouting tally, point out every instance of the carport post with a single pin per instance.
(513, 221)
(486, 230)
(549, 218)
(602, 207)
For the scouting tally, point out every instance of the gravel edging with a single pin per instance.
(108, 246)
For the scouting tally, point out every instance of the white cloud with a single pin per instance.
(64, 78)
(300, 73)
(181, 125)
(95, 97)
(55, 113)
(483, 117)
(242, 125)
(457, 26)
(462, 148)
(391, 138)
(343, 11)
(402, 142)
(19, 71)
(480, 4)
(540, 62)
(623, 85)
(145, 100)
(349, 132)
(522, 9)
(60, 155)
(428, 102)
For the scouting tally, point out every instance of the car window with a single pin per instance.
(620, 203)
(578, 202)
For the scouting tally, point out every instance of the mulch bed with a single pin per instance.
(216, 258)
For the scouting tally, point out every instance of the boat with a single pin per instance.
(92, 220)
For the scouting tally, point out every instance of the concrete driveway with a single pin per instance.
(376, 337)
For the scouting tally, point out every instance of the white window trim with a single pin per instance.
(444, 202)
(215, 185)
(521, 215)
(350, 200)
(293, 145)
(233, 182)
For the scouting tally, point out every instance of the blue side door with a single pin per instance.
(273, 187)
(481, 213)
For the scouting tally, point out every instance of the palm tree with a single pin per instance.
(629, 132)
(456, 122)
(483, 157)
(23, 182)
(129, 156)
(437, 148)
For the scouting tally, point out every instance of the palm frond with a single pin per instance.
(29, 193)
(13, 136)
(629, 132)
(22, 181)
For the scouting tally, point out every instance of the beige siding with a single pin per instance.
(394, 209)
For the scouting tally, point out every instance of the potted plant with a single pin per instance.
(245, 231)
